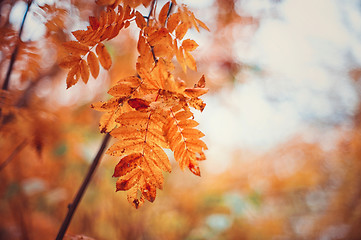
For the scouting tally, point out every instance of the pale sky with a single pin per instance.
(305, 52)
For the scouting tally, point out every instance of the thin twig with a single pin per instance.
(169, 11)
(150, 12)
(13, 154)
(148, 19)
(16, 50)
(72, 207)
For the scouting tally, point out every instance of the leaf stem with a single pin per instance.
(16, 50)
(72, 207)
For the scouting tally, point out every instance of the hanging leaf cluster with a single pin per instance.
(151, 110)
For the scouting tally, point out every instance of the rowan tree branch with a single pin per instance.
(148, 19)
(16, 50)
(13, 154)
(72, 207)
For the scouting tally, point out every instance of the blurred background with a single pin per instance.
(282, 124)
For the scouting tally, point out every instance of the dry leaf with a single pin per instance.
(104, 56)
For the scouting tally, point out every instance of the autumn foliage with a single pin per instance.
(150, 110)
(134, 70)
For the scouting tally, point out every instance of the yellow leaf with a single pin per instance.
(104, 56)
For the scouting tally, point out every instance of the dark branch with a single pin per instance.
(148, 18)
(150, 12)
(13, 154)
(169, 11)
(72, 207)
(16, 50)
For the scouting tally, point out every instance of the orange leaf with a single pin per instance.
(139, 19)
(108, 33)
(195, 92)
(94, 23)
(104, 2)
(128, 181)
(201, 82)
(120, 90)
(134, 199)
(73, 76)
(127, 14)
(103, 19)
(163, 50)
(194, 168)
(189, 45)
(84, 71)
(181, 30)
(180, 57)
(149, 192)
(104, 56)
(93, 64)
(111, 15)
(69, 61)
(163, 13)
(142, 45)
(76, 48)
(202, 24)
(115, 31)
(126, 164)
(191, 63)
(160, 37)
(173, 22)
(81, 35)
